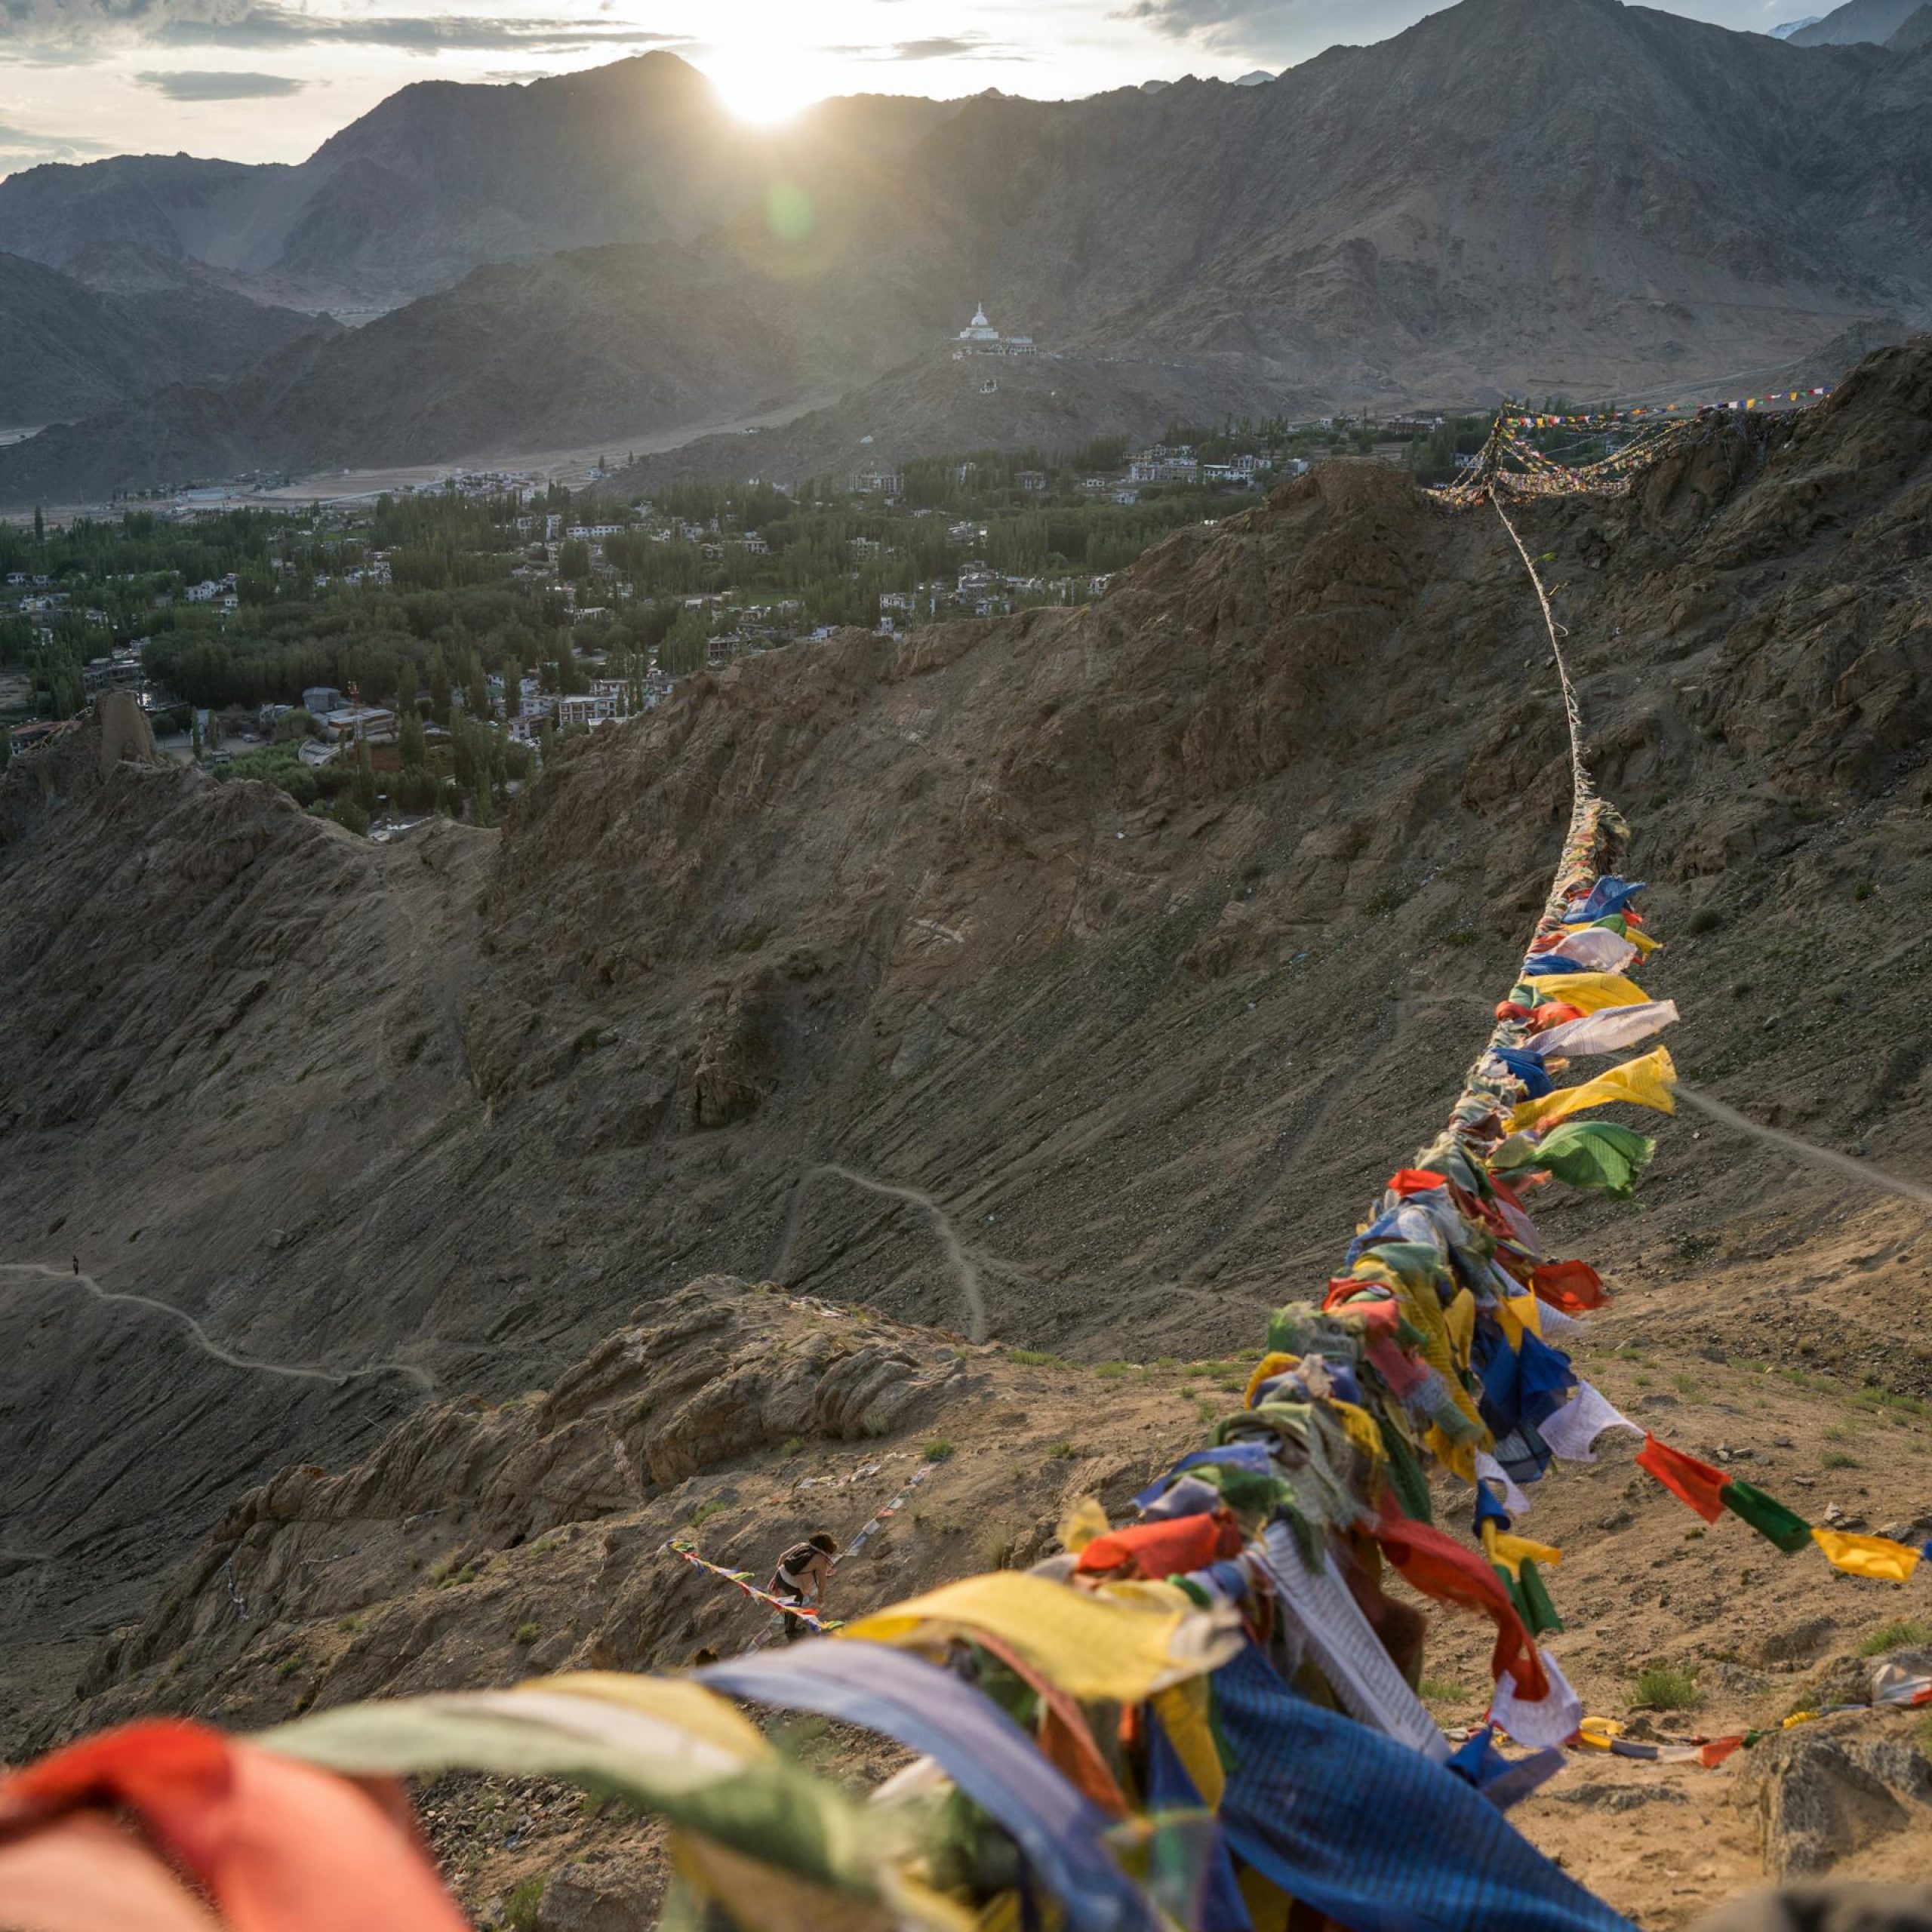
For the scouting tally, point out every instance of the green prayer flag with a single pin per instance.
(1542, 1613)
(1766, 1515)
(1593, 1153)
(1405, 1475)
(1515, 1590)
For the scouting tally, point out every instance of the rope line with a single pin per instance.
(1583, 792)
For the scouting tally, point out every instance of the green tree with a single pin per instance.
(412, 745)
(685, 645)
(362, 787)
(573, 559)
(513, 686)
(439, 688)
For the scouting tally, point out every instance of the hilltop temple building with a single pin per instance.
(979, 338)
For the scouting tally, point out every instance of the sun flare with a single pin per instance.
(765, 84)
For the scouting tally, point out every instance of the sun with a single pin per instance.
(765, 84)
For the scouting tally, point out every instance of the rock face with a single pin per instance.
(1827, 1792)
(402, 1565)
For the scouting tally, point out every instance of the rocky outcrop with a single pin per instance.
(1827, 1792)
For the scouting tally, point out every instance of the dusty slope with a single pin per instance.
(67, 349)
(1095, 964)
(1045, 403)
(482, 1543)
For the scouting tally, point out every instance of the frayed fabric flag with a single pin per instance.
(1572, 1430)
(1697, 1483)
(1591, 992)
(1766, 1515)
(1449, 1861)
(1595, 1154)
(1572, 1286)
(1877, 1557)
(1649, 1081)
(1607, 1031)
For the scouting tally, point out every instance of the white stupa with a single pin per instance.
(980, 330)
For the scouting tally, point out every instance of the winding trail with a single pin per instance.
(965, 1271)
(1805, 1150)
(65, 1277)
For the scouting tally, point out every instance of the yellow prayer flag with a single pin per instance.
(1523, 1311)
(1088, 1646)
(1509, 1551)
(1590, 992)
(672, 1701)
(1266, 1370)
(1867, 1556)
(1645, 1081)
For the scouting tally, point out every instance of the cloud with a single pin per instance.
(22, 147)
(184, 85)
(50, 31)
(1277, 29)
(271, 25)
(967, 46)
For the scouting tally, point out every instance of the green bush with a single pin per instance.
(523, 1909)
(1895, 1635)
(1665, 1687)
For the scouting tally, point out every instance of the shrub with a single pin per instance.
(1895, 1635)
(1705, 919)
(523, 1909)
(527, 1633)
(1665, 1687)
(938, 1450)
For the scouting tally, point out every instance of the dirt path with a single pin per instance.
(965, 1272)
(206, 1344)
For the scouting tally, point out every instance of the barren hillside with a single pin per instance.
(1078, 975)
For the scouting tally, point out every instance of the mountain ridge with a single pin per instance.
(1380, 225)
(67, 350)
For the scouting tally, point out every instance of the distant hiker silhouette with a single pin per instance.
(77, 1264)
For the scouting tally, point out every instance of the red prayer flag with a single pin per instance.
(1415, 1180)
(1556, 1013)
(1170, 1549)
(1430, 1562)
(279, 1846)
(1573, 1286)
(1697, 1483)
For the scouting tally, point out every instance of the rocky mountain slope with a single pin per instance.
(1069, 981)
(67, 349)
(442, 178)
(1856, 21)
(1511, 197)
(974, 404)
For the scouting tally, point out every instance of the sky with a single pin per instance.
(269, 80)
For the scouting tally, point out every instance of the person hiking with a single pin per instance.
(802, 1573)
